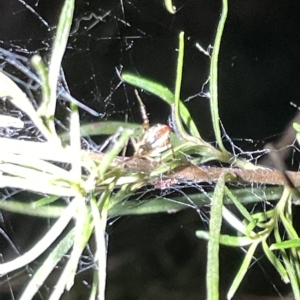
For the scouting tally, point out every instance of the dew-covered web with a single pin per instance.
(107, 39)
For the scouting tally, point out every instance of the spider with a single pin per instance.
(155, 139)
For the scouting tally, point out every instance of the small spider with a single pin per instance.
(155, 139)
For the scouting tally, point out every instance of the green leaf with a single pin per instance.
(30, 209)
(214, 77)
(239, 205)
(43, 244)
(48, 266)
(242, 271)
(275, 261)
(99, 220)
(227, 240)
(293, 243)
(212, 275)
(83, 229)
(18, 98)
(163, 93)
(105, 128)
(48, 106)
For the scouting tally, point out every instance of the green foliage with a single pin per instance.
(100, 190)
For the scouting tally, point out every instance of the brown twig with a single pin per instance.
(262, 175)
(188, 171)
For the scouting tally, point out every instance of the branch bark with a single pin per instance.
(188, 171)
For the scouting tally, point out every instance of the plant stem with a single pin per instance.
(188, 171)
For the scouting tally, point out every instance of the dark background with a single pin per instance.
(158, 257)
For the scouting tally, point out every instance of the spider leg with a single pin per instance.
(143, 112)
(106, 143)
(135, 144)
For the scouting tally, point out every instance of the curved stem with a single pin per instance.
(214, 77)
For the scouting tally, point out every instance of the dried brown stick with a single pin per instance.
(188, 171)
(261, 175)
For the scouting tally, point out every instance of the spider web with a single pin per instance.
(107, 38)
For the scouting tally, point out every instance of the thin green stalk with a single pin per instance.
(99, 220)
(214, 77)
(212, 270)
(243, 270)
(47, 109)
(175, 107)
(75, 143)
(83, 229)
(48, 265)
(43, 244)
